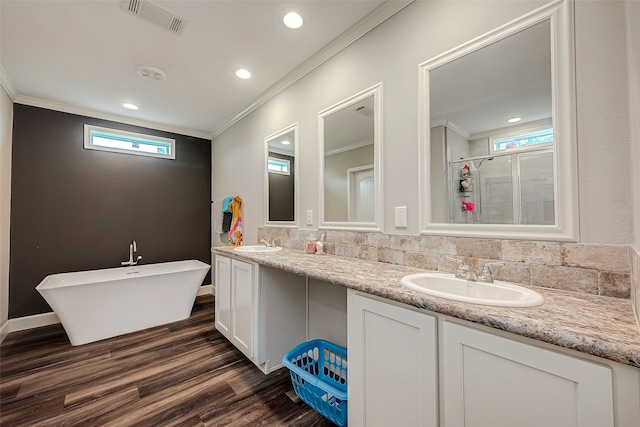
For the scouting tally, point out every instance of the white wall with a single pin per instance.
(335, 180)
(633, 55)
(391, 53)
(603, 122)
(6, 127)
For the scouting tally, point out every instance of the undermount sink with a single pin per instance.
(498, 293)
(257, 248)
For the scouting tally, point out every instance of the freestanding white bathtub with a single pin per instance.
(99, 304)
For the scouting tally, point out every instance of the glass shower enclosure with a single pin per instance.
(505, 188)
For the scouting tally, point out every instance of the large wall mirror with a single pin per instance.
(281, 177)
(350, 147)
(498, 133)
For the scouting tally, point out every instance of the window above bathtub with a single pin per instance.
(118, 141)
(279, 166)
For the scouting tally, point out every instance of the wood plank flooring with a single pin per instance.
(181, 374)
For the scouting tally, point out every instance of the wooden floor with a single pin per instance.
(181, 374)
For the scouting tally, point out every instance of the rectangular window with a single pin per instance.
(280, 166)
(522, 141)
(118, 141)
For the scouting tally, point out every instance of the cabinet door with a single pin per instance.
(392, 372)
(242, 306)
(490, 380)
(222, 281)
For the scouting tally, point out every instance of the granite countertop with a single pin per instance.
(596, 325)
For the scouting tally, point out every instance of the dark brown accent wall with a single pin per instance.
(74, 209)
(281, 192)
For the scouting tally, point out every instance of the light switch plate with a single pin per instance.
(309, 217)
(401, 216)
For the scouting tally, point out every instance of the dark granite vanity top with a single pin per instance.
(600, 326)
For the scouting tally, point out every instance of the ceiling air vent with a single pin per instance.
(155, 14)
(176, 25)
(132, 6)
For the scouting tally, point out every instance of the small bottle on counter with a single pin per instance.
(311, 244)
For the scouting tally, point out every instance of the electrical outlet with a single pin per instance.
(309, 217)
(401, 216)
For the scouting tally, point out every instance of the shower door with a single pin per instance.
(515, 188)
(536, 188)
(489, 188)
(495, 191)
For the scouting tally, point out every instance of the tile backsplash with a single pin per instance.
(597, 269)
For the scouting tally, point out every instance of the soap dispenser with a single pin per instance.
(320, 245)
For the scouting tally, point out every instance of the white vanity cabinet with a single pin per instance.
(222, 282)
(489, 380)
(392, 372)
(235, 282)
(411, 367)
(262, 311)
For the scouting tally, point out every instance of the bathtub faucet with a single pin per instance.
(132, 250)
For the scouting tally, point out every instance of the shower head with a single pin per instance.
(484, 160)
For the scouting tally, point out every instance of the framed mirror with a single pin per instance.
(350, 149)
(281, 177)
(497, 133)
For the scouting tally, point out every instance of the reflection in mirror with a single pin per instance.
(350, 147)
(281, 177)
(348, 164)
(474, 122)
(495, 138)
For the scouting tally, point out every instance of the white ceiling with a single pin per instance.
(352, 126)
(81, 56)
(510, 78)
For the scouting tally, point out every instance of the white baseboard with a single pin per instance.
(28, 322)
(4, 331)
(206, 290)
(46, 319)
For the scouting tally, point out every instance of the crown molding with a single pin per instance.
(457, 129)
(350, 147)
(67, 108)
(368, 23)
(6, 84)
(449, 124)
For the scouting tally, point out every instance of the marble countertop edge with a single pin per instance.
(600, 326)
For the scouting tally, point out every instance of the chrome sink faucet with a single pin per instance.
(485, 274)
(464, 271)
(269, 242)
(132, 249)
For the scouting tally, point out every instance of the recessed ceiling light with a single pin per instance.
(130, 106)
(292, 20)
(149, 72)
(243, 74)
(285, 142)
(514, 119)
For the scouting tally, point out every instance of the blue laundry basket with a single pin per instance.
(319, 376)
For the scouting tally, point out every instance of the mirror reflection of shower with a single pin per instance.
(484, 160)
(509, 187)
(479, 206)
